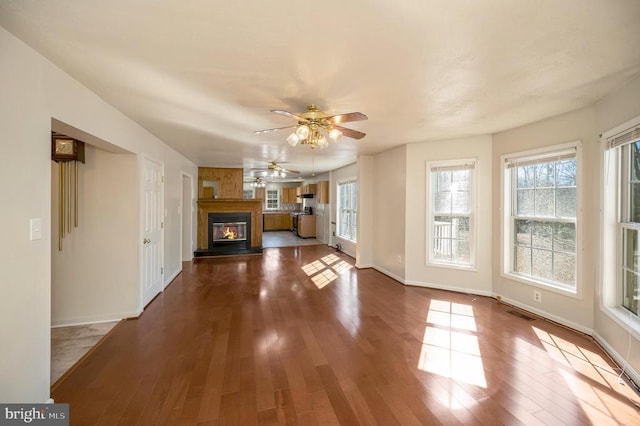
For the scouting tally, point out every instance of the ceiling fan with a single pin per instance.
(275, 170)
(313, 124)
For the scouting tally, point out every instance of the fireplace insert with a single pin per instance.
(229, 233)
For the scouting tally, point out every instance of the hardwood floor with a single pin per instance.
(299, 336)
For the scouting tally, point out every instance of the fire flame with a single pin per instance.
(229, 234)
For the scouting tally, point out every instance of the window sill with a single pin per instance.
(346, 239)
(624, 319)
(469, 268)
(546, 286)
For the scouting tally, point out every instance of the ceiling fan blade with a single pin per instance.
(289, 114)
(257, 132)
(350, 133)
(345, 118)
(291, 172)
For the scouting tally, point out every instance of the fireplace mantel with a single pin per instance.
(230, 205)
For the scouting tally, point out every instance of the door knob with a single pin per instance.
(146, 241)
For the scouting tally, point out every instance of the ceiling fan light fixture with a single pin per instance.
(314, 127)
(302, 132)
(335, 135)
(322, 142)
(258, 183)
(293, 139)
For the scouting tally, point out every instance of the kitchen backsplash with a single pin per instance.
(290, 206)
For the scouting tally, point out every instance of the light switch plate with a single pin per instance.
(35, 229)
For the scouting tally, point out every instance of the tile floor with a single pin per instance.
(286, 239)
(69, 344)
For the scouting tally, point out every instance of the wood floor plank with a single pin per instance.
(248, 340)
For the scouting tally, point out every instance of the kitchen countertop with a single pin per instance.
(280, 212)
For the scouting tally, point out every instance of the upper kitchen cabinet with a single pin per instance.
(310, 188)
(323, 192)
(288, 195)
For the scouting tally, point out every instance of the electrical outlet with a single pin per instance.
(537, 296)
(399, 259)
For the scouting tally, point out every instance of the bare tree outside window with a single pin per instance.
(630, 227)
(543, 214)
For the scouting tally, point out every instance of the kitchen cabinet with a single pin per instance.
(307, 226)
(260, 194)
(276, 222)
(309, 188)
(288, 195)
(323, 192)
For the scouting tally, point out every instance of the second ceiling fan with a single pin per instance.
(275, 170)
(314, 126)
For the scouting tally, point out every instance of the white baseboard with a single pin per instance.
(450, 288)
(544, 314)
(171, 278)
(388, 273)
(633, 374)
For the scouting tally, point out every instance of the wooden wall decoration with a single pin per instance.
(229, 182)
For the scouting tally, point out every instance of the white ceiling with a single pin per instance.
(202, 75)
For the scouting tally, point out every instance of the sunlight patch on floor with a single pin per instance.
(600, 392)
(326, 270)
(450, 346)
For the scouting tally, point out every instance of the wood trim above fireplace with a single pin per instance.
(230, 205)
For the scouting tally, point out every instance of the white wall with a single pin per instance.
(366, 216)
(187, 216)
(390, 205)
(35, 91)
(574, 126)
(477, 281)
(25, 304)
(615, 109)
(94, 278)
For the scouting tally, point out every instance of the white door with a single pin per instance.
(152, 269)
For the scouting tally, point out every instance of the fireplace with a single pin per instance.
(229, 226)
(229, 233)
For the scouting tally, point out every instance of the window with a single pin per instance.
(273, 200)
(347, 209)
(247, 194)
(623, 155)
(541, 204)
(451, 215)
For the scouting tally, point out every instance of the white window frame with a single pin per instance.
(507, 230)
(267, 199)
(351, 211)
(452, 165)
(248, 194)
(613, 201)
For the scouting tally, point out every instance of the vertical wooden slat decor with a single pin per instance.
(229, 181)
